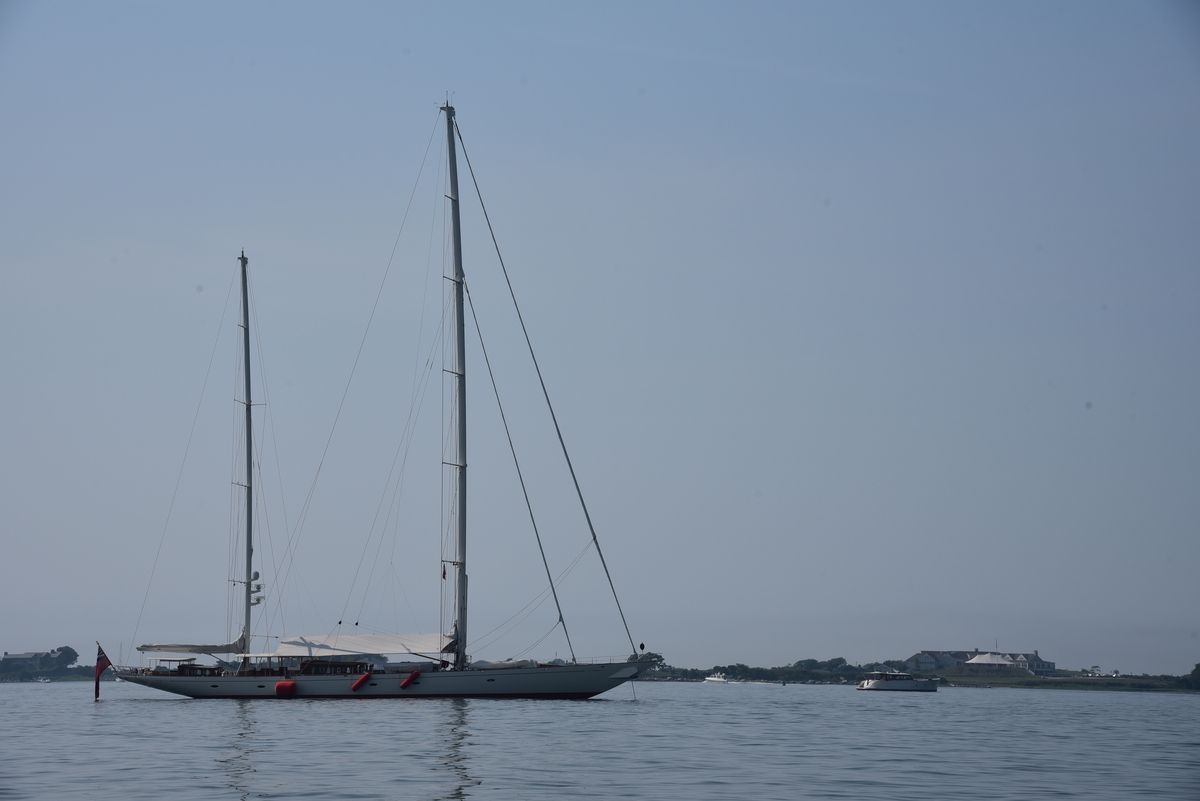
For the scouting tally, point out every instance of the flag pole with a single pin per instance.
(102, 664)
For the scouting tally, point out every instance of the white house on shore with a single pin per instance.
(936, 660)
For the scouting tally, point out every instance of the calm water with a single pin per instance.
(676, 741)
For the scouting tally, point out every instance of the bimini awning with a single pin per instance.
(347, 644)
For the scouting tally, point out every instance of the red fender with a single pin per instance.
(285, 689)
(360, 682)
(409, 679)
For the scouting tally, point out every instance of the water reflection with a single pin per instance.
(453, 732)
(238, 765)
(434, 741)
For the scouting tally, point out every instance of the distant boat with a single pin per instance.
(901, 682)
(339, 666)
(717, 678)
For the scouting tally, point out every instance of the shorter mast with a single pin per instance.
(249, 457)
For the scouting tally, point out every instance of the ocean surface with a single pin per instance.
(673, 741)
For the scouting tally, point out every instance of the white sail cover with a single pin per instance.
(339, 644)
(481, 664)
(235, 647)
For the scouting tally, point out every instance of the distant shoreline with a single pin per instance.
(839, 672)
(1102, 683)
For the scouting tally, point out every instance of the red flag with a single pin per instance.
(102, 664)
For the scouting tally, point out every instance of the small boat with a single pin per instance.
(334, 665)
(717, 678)
(901, 682)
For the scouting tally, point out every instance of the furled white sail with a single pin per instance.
(338, 644)
(236, 647)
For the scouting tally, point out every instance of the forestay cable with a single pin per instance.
(545, 393)
(521, 478)
(536, 603)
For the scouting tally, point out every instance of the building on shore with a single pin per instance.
(937, 660)
(30, 660)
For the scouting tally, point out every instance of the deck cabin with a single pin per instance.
(269, 665)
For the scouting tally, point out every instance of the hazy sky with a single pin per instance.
(872, 327)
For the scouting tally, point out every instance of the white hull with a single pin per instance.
(558, 681)
(903, 685)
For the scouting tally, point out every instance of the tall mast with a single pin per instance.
(249, 453)
(460, 356)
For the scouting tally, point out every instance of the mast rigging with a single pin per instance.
(460, 348)
(249, 458)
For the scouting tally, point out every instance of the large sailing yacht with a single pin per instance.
(338, 666)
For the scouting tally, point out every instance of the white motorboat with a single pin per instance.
(901, 682)
(717, 678)
(333, 665)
